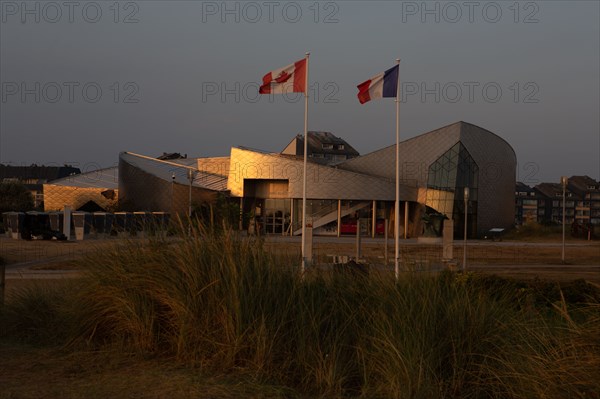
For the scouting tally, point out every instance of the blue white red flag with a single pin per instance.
(383, 85)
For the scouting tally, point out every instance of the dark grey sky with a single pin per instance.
(182, 77)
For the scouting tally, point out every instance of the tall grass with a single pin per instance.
(39, 314)
(222, 303)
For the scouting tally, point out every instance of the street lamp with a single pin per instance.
(466, 198)
(563, 182)
(172, 195)
(191, 178)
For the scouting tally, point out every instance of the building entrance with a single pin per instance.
(276, 219)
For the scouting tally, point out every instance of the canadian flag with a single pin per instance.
(289, 79)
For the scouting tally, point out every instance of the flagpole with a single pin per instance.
(397, 216)
(304, 260)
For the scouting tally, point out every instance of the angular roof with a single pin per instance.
(177, 171)
(583, 184)
(417, 153)
(459, 128)
(102, 178)
(551, 190)
(522, 187)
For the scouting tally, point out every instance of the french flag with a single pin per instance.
(289, 79)
(383, 85)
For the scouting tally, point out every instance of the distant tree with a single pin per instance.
(15, 197)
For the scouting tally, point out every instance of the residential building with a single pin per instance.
(322, 147)
(544, 202)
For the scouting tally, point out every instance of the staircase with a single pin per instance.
(329, 215)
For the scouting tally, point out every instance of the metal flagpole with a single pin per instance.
(397, 217)
(304, 260)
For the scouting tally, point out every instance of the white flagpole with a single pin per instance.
(397, 216)
(304, 260)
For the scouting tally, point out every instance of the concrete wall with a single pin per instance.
(57, 196)
(142, 191)
(323, 182)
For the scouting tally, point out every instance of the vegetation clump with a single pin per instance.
(14, 196)
(221, 303)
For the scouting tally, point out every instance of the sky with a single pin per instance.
(82, 81)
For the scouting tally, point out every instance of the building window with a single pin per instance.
(340, 147)
(447, 178)
(327, 146)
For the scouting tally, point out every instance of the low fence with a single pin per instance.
(82, 225)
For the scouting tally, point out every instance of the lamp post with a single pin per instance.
(172, 195)
(589, 224)
(563, 182)
(466, 198)
(191, 178)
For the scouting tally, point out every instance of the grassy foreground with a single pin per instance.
(219, 305)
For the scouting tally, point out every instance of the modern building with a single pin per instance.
(91, 191)
(342, 186)
(151, 184)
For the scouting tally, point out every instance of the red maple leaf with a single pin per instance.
(282, 77)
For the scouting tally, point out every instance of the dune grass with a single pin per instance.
(222, 305)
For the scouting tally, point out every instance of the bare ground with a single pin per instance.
(33, 373)
(33, 260)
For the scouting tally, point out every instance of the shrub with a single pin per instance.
(15, 197)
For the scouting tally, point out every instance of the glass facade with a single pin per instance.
(447, 178)
(277, 216)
